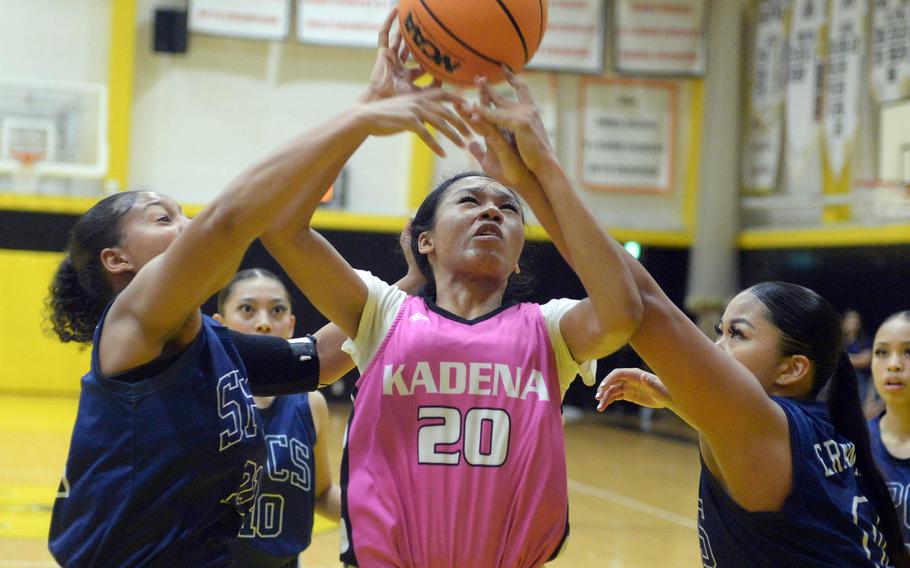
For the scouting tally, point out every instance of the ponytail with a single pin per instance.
(80, 290)
(73, 310)
(842, 397)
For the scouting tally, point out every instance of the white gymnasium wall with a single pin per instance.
(200, 118)
(54, 40)
(894, 142)
(63, 40)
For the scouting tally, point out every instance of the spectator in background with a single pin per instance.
(859, 348)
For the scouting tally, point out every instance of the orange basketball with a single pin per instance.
(454, 40)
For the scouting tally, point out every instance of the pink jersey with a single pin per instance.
(455, 453)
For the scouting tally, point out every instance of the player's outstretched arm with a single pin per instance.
(635, 386)
(603, 322)
(335, 363)
(391, 104)
(160, 304)
(726, 411)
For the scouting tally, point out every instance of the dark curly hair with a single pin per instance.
(80, 289)
(425, 219)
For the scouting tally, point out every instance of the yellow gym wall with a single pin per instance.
(33, 361)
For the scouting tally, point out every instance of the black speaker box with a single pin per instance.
(170, 30)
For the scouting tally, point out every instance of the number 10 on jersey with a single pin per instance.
(481, 436)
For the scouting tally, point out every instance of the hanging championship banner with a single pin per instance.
(804, 69)
(575, 36)
(249, 19)
(846, 50)
(761, 156)
(767, 66)
(665, 38)
(890, 71)
(627, 132)
(341, 22)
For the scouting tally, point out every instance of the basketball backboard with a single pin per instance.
(52, 134)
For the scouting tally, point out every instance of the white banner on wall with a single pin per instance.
(767, 73)
(660, 37)
(627, 130)
(844, 86)
(768, 62)
(341, 22)
(575, 36)
(891, 49)
(804, 68)
(761, 155)
(250, 19)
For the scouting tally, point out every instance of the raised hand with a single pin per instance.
(633, 385)
(520, 118)
(498, 156)
(393, 103)
(390, 75)
(413, 112)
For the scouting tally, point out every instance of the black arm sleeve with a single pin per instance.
(277, 366)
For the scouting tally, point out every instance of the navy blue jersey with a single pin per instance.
(897, 474)
(825, 522)
(161, 471)
(281, 524)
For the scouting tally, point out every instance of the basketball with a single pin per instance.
(455, 40)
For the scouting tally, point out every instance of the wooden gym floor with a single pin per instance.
(632, 495)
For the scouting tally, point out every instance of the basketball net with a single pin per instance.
(26, 175)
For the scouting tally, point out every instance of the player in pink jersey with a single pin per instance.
(454, 453)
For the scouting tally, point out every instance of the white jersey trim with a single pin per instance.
(384, 301)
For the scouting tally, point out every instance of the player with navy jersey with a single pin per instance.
(788, 478)
(121, 496)
(138, 270)
(826, 521)
(890, 431)
(455, 454)
(281, 524)
(297, 480)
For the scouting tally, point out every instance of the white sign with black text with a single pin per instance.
(660, 37)
(767, 75)
(846, 51)
(891, 50)
(627, 135)
(804, 68)
(351, 23)
(574, 39)
(248, 19)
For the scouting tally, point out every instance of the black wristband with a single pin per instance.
(276, 366)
